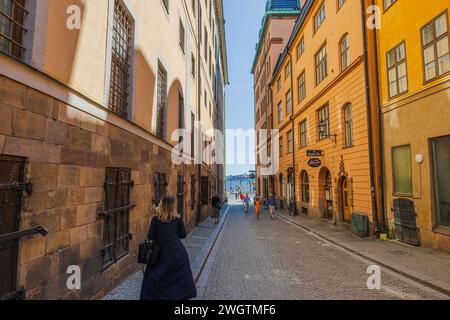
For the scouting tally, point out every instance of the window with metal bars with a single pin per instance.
(180, 195)
(116, 232)
(204, 192)
(193, 191)
(122, 40)
(12, 30)
(160, 182)
(162, 103)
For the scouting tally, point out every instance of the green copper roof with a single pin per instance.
(275, 8)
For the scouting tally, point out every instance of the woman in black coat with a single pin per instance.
(171, 278)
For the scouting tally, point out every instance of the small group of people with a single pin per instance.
(257, 203)
(171, 277)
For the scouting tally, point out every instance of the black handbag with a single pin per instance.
(148, 253)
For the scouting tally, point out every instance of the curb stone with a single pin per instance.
(200, 260)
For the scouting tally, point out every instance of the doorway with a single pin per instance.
(326, 193)
(344, 200)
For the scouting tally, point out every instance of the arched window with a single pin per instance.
(348, 125)
(344, 51)
(305, 186)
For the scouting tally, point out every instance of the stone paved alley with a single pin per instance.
(257, 260)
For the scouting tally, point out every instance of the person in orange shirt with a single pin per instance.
(257, 207)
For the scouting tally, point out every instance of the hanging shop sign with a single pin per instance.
(314, 163)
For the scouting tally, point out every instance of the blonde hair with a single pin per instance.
(165, 211)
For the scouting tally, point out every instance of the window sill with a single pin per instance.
(403, 195)
(442, 230)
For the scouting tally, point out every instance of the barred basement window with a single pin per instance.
(204, 192)
(162, 103)
(116, 233)
(181, 182)
(12, 16)
(193, 191)
(120, 60)
(160, 182)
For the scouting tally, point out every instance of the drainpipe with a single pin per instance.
(199, 92)
(293, 138)
(384, 227)
(369, 122)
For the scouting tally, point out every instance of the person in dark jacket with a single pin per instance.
(216, 204)
(171, 278)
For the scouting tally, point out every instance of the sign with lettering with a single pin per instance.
(314, 163)
(314, 153)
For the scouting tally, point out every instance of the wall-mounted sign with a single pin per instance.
(314, 163)
(314, 153)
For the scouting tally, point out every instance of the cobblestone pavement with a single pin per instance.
(267, 259)
(130, 289)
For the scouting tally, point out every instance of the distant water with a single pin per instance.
(245, 185)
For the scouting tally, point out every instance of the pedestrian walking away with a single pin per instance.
(247, 203)
(171, 278)
(257, 207)
(216, 204)
(272, 203)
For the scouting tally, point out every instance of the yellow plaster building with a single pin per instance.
(414, 92)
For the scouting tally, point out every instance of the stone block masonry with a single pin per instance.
(66, 153)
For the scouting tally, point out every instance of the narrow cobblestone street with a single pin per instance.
(275, 260)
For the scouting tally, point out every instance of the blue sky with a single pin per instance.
(242, 24)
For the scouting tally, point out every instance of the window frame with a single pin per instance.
(396, 65)
(303, 132)
(318, 63)
(328, 122)
(301, 88)
(346, 52)
(434, 44)
(109, 63)
(316, 26)
(350, 123)
(394, 191)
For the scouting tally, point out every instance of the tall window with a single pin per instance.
(305, 186)
(204, 191)
(321, 64)
(166, 5)
(397, 72)
(324, 123)
(348, 125)
(182, 36)
(435, 42)
(302, 87)
(116, 234)
(12, 16)
(319, 18)
(388, 3)
(303, 134)
(192, 135)
(193, 67)
(344, 50)
(180, 111)
(287, 70)
(160, 186)
(340, 3)
(402, 170)
(120, 61)
(281, 151)
(289, 102)
(441, 170)
(162, 103)
(193, 191)
(280, 112)
(279, 84)
(300, 48)
(290, 137)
